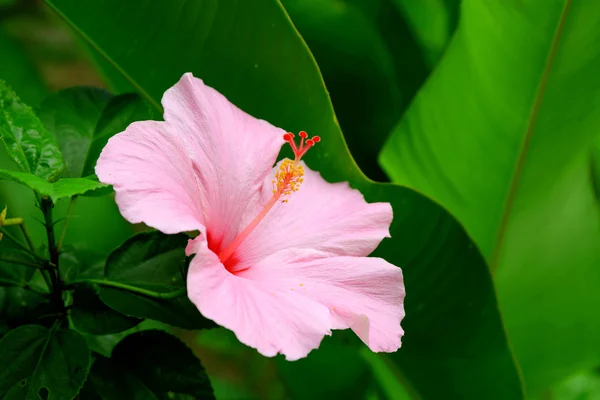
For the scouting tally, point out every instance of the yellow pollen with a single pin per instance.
(288, 178)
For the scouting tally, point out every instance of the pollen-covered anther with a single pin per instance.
(288, 178)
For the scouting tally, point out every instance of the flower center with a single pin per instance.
(287, 180)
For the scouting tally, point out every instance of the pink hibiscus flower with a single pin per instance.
(281, 255)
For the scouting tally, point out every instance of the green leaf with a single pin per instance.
(66, 187)
(90, 315)
(120, 111)
(83, 119)
(71, 116)
(42, 363)
(154, 262)
(31, 146)
(20, 307)
(149, 365)
(334, 371)
(432, 23)
(454, 330)
(503, 136)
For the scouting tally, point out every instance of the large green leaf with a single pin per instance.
(334, 371)
(40, 363)
(454, 330)
(32, 147)
(503, 135)
(90, 315)
(432, 22)
(155, 262)
(120, 111)
(71, 115)
(148, 365)
(369, 85)
(83, 119)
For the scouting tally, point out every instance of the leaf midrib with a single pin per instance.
(535, 109)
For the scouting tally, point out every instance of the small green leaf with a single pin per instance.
(42, 363)
(148, 365)
(90, 315)
(32, 147)
(66, 187)
(156, 262)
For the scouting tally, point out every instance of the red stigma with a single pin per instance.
(300, 150)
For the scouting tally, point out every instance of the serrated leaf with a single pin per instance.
(38, 362)
(28, 142)
(66, 187)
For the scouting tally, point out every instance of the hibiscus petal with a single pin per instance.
(362, 293)
(269, 318)
(332, 218)
(153, 178)
(231, 152)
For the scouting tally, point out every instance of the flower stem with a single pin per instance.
(133, 289)
(52, 265)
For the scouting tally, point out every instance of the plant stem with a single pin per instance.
(47, 210)
(133, 289)
(67, 220)
(57, 287)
